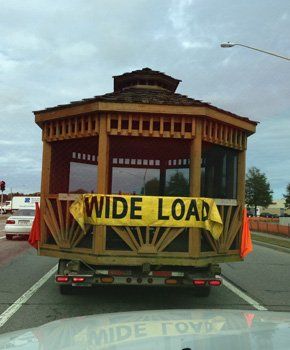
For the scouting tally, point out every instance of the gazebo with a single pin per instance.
(146, 139)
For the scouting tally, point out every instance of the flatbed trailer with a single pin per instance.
(143, 139)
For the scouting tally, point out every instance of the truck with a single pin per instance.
(162, 148)
(20, 202)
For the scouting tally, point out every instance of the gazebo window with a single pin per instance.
(219, 171)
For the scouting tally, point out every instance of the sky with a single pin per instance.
(56, 52)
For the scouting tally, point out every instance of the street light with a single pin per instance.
(228, 45)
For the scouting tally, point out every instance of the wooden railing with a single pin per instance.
(67, 234)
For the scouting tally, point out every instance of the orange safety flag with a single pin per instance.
(246, 245)
(34, 236)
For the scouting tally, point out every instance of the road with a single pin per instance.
(262, 279)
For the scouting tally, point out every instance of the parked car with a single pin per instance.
(19, 223)
(269, 215)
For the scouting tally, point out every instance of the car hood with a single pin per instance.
(169, 329)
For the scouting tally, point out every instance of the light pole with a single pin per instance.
(228, 45)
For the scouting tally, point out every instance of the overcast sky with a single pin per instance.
(56, 52)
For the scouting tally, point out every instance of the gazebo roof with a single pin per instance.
(146, 86)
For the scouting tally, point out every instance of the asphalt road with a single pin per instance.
(264, 277)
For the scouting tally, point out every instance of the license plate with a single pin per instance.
(23, 222)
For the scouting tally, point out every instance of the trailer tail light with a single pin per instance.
(61, 279)
(171, 281)
(107, 279)
(215, 283)
(78, 279)
(162, 273)
(199, 282)
(10, 222)
(118, 272)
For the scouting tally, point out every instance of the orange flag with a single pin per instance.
(34, 236)
(246, 245)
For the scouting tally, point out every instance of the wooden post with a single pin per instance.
(103, 179)
(45, 187)
(241, 178)
(241, 186)
(195, 184)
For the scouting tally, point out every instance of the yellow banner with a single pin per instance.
(119, 210)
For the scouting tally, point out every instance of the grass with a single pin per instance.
(270, 240)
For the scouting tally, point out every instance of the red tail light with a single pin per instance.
(215, 283)
(10, 222)
(162, 273)
(78, 279)
(199, 282)
(61, 279)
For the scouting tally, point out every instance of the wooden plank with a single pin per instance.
(139, 235)
(108, 122)
(147, 241)
(172, 126)
(97, 124)
(51, 228)
(119, 123)
(140, 125)
(182, 126)
(157, 229)
(132, 237)
(174, 232)
(61, 219)
(130, 124)
(151, 125)
(90, 126)
(125, 237)
(139, 260)
(102, 178)
(194, 190)
(53, 218)
(226, 202)
(45, 187)
(161, 125)
(205, 111)
(162, 238)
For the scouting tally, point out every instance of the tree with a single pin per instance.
(287, 197)
(151, 187)
(258, 191)
(177, 185)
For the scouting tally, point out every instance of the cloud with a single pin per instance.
(52, 53)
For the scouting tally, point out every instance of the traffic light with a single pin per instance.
(2, 185)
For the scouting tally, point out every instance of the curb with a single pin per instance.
(272, 246)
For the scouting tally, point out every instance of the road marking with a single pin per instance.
(243, 295)
(5, 316)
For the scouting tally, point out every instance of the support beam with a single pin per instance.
(103, 180)
(195, 184)
(45, 187)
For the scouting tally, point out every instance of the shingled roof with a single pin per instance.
(146, 87)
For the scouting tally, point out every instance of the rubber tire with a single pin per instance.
(65, 290)
(9, 237)
(202, 292)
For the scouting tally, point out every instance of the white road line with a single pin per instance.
(243, 295)
(4, 317)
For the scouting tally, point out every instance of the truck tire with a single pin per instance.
(202, 292)
(9, 236)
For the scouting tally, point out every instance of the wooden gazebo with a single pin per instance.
(143, 138)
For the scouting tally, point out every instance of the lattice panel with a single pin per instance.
(223, 134)
(150, 125)
(61, 225)
(79, 126)
(154, 242)
(232, 219)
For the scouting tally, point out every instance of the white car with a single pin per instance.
(19, 223)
